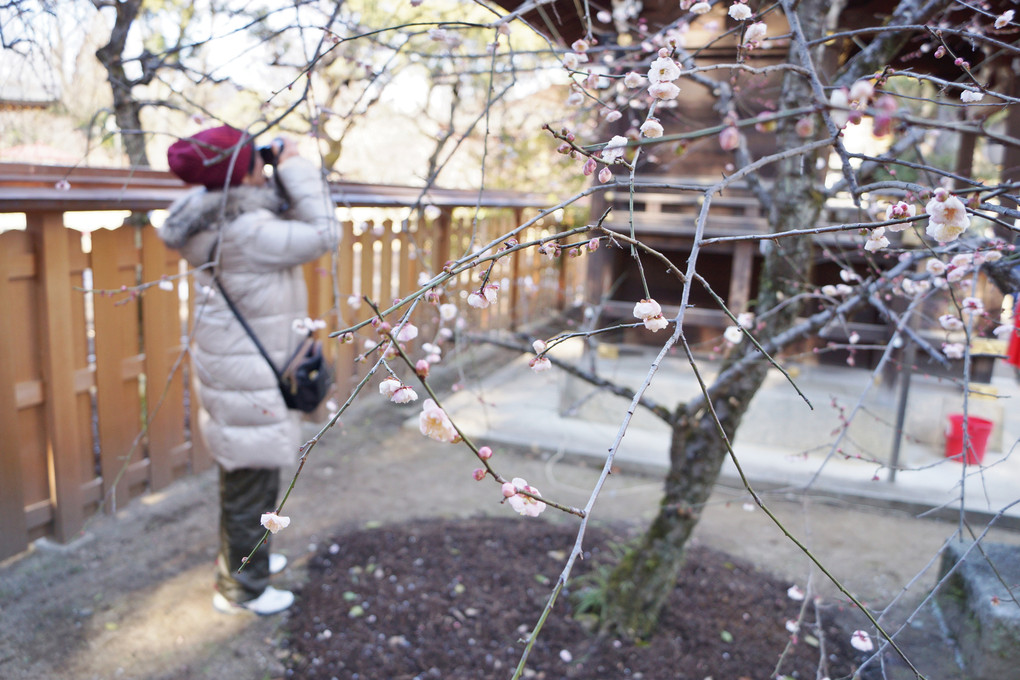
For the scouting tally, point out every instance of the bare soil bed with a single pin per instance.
(456, 599)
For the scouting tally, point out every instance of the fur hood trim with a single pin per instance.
(201, 209)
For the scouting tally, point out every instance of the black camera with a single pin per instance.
(270, 153)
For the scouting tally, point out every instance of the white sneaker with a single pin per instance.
(277, 563)
(271, 601)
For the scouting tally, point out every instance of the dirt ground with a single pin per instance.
(132, 597)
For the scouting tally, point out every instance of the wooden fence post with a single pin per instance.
(56, 330)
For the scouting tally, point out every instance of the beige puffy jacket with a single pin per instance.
(243, 419)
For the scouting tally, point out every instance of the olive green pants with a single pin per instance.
(244, 495)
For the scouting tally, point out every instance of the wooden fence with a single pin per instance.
(94, 409)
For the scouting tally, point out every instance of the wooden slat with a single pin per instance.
(118, 363)
(14, 537)
(163, 361)
(58, 370)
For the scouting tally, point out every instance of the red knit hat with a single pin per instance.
(189, 157)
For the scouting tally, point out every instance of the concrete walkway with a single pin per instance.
(783, 445)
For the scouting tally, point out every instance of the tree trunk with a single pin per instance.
(642, 581)
(126, 109)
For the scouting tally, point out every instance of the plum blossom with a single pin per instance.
(274, 522)
(447, 311)
(354, 302)
(524, 505)
(579, 45)
(733, 335)
(861, 641)
(896, 211)
(605, 175)
(388, 386)
(633, 80)
(656, 323)
(407, 333)
(435, 424)
(755, 33)
(1004, 18)
(701, 8)
(539, 364)
(862, 91)
(947, 217)
(404, 395)
(740, 11)
(970, 96)
(935, 267)
(952, 350)
(795, 593)
(729, 138)
(876, 240)
(663, 70)
(664, 91)
(745, 319)
(972, 306)
(950, 322)
(614, 149)
(651, 128)
(838, 100)
(647, 308)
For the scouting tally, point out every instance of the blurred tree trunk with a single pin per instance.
(126, 109)
(642, 581)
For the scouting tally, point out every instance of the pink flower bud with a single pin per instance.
(589, 167)
(729, 138)
(605, 175)
(485, 453)
(563, 148)
(940, 52)
(422, 368)
(509, 490)
(479, 474)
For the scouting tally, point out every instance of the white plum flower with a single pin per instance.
(633, 80)
(656, 323)
(745, 319)
(861, 641)
(862, 91)
(651, 128)
(407, 333)
(447, 311)
(539, 364)
(839, 100)
(664, 91)
(877, 240)
(524, 505)
(953, 350)
(388, 386)
(733, 335)
(614, 149)
(935, 267)
(663, 70)
(947, 217)
(740, 11)
(274, 522)
(404, 395)
(701, 8)
(435, 424)
(970, 96)
(477, 300)
(1004, 18)
(755, 33)
(647, 308)
(972, 306)
(539, 346)
(950, 322)
(795, 593)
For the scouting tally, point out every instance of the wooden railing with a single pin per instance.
(93, 401)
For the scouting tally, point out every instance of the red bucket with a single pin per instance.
(978, 430)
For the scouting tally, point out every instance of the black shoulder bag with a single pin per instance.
(306, 379)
